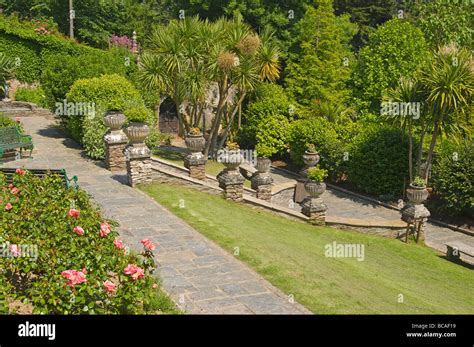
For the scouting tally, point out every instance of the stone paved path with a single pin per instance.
(198, 274)
(345, 205)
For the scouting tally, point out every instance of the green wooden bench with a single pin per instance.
(11, 138)
(40, 173)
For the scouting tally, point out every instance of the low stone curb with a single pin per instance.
(381, 203)
(330, 220)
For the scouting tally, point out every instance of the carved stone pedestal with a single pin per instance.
(262, 184)
(232, 182)
(315, 209)
(415, 215)
(138, 164)
(196, 164)
(115, 143)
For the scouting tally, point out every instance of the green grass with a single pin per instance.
(290, 255)
(213, 168)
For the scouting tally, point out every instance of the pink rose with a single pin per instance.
(79, 231)
(20, 171)
(134, 271)
(140, 273)
(148, 244)
(15, 250)
(11, 186)
(8, 207)
(104, 229)
(118, 244)
(109, 286)
(15, 190)
(74, 277)
(73, 213)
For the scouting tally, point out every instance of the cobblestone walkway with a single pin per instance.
(199, 275)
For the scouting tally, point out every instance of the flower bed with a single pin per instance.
(60, 256)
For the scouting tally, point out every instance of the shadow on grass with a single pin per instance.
(169, 154)
(458, 261)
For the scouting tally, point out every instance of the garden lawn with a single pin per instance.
(291, 255)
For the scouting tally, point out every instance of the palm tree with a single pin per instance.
(449, 84)
(407, 91)
(186, 57)
(174, 65)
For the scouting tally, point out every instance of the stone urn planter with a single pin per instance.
(195, 142)
(137, 132)
(311, 158)
(314, 189)
(263, 164)
(417, 195)
(232, 159)
(114, 120)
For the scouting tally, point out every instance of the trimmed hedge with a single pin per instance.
(378, 161)
(55, 60)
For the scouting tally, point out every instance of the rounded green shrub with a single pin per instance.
(270, 101)
(99, 94)
(321, 133)
(453, 177)
(272, 136)
(378, 161)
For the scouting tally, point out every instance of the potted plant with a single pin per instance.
(114, 119)
(263, 158)
(315, 185)
(195, 140)
(137, 129)
(232, 157)
(417, 192)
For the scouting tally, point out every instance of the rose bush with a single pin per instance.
(81, 264)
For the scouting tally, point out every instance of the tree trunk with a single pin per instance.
(239, 125)
(229, 124)
(211, 142)
(436, 128)
(420, 150)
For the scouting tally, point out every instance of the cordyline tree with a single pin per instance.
(188, 58)
(448, 81)
(444, 87)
